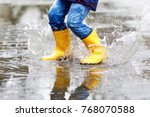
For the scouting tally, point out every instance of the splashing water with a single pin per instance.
(124, 28)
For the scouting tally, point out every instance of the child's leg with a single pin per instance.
(76, 15)
(57, 15)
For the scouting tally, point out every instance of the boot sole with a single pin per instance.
(101, 62)
(91, 63)
(62, 58)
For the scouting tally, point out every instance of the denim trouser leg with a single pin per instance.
(57, 14)
(76, 15)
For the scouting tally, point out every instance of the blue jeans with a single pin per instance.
(75, 12)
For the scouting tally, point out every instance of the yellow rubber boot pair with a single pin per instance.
(97, 51)
(61, 50)
(92, 42)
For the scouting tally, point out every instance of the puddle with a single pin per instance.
(124, 29)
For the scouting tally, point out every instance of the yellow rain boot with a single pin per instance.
(61, 50)
(98, 52)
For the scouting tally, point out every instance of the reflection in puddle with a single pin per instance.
(91, 81)
(61, 84)
(123, 28)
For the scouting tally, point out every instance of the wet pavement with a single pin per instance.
(123, 28)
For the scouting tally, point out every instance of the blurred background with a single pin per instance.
(25, 36)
